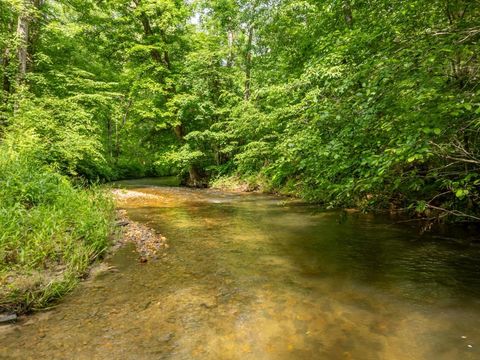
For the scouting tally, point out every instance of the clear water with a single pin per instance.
(249, 276)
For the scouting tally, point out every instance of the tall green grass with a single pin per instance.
(50, 231)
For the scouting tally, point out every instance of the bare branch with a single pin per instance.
(469, 161)
(438, 195)
(453, 212)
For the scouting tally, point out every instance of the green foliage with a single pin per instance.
(64, 135)
(376, 110)
(50, 231)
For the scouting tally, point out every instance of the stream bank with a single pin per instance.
(37, 290)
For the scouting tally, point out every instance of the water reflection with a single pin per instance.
(250, 277)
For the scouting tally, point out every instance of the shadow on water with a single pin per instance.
(147, 182)
(250, 276)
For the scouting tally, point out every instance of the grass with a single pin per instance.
(50, 232)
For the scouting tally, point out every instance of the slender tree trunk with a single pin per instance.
(28, 32)
(248, 65)
(231, 41)
(347, 13)
(109, 137)
(6, 58)
(33, 33)
(117, 144)
(6, 88)
(456, 10)
(118, 129)
(6, 83)
(22, 37)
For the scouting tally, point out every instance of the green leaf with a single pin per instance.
(461, 193)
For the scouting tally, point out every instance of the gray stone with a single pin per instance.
(7, 318)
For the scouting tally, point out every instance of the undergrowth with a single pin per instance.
(50, 231)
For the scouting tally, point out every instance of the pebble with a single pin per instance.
(167, 337)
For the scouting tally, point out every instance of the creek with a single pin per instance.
(251, 276)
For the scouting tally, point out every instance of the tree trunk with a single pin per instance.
(231, 41)
(6, 84)
(118, 129)
(22, 36)
(147, 29)
(148, 32)
(33, 33)
(178, 130)
(347, 13)
(462, 70)
(195, 178)
(248, 65)
(109, 137)
(6, 59)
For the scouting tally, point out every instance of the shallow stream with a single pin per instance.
(250, 276)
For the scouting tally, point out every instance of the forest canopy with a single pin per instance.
(372, 104)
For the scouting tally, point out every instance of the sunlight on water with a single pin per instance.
(249, 276)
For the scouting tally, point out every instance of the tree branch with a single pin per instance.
(453, 212)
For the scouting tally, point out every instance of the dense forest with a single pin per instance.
(347, 103)
(342, 102)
